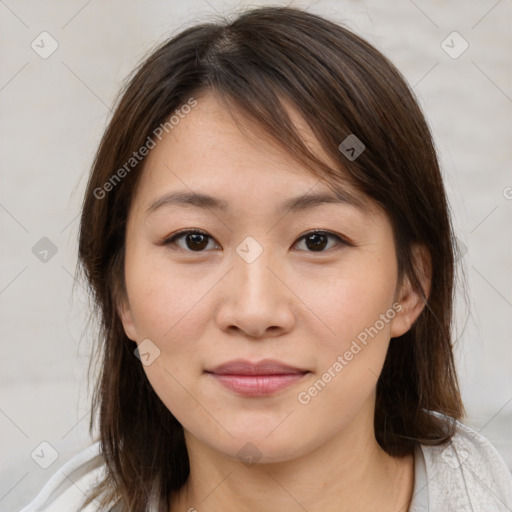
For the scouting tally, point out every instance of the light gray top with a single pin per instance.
(465, 475)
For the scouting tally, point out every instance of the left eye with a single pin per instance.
(197, 240)
(318, 240)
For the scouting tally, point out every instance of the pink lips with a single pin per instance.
(256, 379)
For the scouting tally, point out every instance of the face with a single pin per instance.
(250, 280)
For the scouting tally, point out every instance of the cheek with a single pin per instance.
(172, 310)
(347, 302)
(172, 314)
(166, 303)
(357, 308)
(349, 364)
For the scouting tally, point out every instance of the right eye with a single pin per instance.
(195, 240)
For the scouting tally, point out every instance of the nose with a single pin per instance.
(256, 298)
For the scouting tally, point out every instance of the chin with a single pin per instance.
(259, 445)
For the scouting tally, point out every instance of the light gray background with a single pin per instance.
(54, 111)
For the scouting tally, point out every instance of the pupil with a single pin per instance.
(318, 241)
(198, 241)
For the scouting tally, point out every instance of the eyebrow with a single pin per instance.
(294, 204)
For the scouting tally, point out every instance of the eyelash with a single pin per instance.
(181, 234)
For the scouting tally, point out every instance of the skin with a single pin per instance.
(294, 304)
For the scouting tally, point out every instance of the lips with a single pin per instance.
(265, 367)
(256, 379)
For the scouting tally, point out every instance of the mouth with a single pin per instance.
(256, 379)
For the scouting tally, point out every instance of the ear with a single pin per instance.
(125, 314)
(412, 301)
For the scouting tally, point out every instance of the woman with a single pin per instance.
(267, 238)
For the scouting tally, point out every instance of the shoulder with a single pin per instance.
(467, 473)
(68, 487)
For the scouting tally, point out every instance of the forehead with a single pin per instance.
(212, 159)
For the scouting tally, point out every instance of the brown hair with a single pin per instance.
(340, 85)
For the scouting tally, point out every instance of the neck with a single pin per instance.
(349, 472)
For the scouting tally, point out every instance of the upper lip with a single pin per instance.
(264, 367)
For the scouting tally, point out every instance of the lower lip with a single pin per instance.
(258, 385)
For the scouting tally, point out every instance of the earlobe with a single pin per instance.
(125, 314)
(411, 300)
